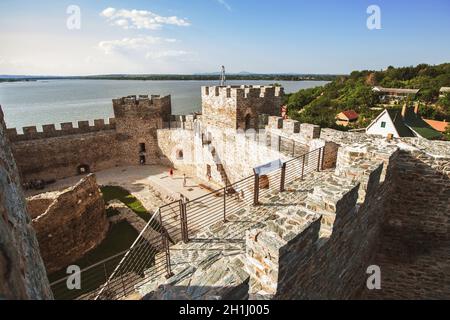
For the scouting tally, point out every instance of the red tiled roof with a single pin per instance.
(437, 125)
(350, 114)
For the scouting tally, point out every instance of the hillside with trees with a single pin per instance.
(320, 105)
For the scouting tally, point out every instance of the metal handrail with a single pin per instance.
(127, 253)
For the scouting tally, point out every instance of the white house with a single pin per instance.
(383, 125)
(402, 123)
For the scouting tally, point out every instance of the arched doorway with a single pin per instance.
(248, 122)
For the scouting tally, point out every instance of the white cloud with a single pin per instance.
(225, 4)
(140, 19)
(166, 54)
(132, 44)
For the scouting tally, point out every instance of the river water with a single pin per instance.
(56, 101)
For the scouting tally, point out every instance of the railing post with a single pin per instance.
(183, 222)
(323, 157)
(318, 160)
(166, 248)
(279, 143)
(303, 165)
(256, 190)
(225, 203)
(293, 148)
(283, 177)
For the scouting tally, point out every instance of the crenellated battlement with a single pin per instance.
(292, 129)
(143, 105)
(67, 128)
(244, 91)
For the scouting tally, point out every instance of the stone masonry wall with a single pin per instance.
(74, 222)
(60, 157)
(137, 122)
(320, 249)
(55, 154)
(236, 107)
(22, 272)
(386, 204)
(414, 251)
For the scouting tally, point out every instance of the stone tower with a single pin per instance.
(137, 119)
(239, 107)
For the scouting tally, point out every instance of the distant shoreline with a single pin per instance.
(256, 77)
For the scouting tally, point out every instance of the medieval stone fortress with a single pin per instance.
(232, 203)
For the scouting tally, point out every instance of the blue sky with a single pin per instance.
(190, 36)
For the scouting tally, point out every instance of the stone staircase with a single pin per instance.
(219, 165)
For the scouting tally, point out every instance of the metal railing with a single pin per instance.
(148, 259)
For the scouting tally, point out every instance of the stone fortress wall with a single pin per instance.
(22, 271)
(55, 154)
(386, 204)
(140, 130)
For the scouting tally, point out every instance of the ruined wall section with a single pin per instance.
(22, 271)
(69, 223)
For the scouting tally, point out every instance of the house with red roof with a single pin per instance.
(346, 117)
(440, 126)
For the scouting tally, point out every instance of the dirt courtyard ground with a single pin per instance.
(151, 184)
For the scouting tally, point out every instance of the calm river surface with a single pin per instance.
(56, 101)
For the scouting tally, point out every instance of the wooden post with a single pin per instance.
(225, 203)
(279, 143)
(283, 177)
(318, 160)
(293, 148)
(303, 165)
(183, 222)
(323, 157)
(256, 191)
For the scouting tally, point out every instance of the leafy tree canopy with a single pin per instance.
(320, 105)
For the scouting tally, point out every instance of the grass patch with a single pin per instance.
(124, 196)
(120, 237)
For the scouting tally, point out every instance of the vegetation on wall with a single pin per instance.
(320, 105)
